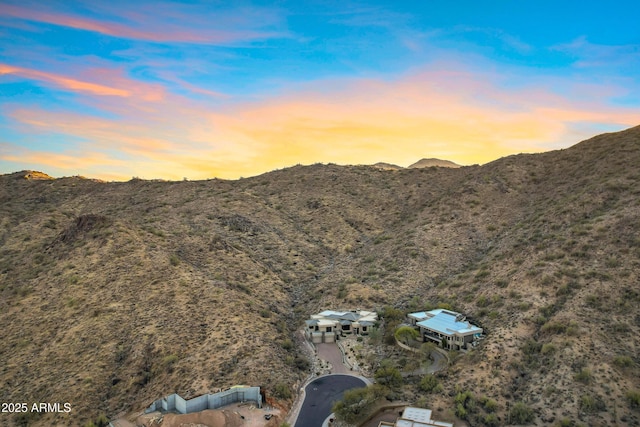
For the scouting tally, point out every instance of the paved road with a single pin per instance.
(321, 394)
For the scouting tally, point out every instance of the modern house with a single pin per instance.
(415, 417)
(328, 325)
(448, 329)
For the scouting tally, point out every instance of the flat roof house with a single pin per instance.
(415, 417)
(450, 330)
(327, 325)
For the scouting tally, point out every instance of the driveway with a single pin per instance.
(321, 394)
(440, 362)
(330, 352)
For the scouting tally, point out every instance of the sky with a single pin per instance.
(229, 89)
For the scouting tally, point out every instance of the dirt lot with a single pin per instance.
(238, 415)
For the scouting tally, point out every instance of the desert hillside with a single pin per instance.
(114, 294)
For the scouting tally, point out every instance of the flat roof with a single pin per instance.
(417, 414)
(418, 315)
(447, 323)
(418, 417)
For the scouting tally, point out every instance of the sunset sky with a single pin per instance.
(117, 89)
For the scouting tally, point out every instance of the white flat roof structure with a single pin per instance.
(417, 414)
(447, 323)
(418, 417)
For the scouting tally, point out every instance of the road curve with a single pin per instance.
(321, 394)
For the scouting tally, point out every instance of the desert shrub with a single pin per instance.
(547, 348)
(388, 376)
(466, 400)
(633, 397)
(482, 301)
(588, 403)
(490, 405)
(390, 313)
(521, 414)
(265, 313)
(430, 384)
(572, 329)
(461, 412)
(406, 334)
(287, 344)
(25, 419)
(282, 391)
(170, 360)
(548, 310)
(174, 260)
(481, 274)
(491, 420)
(374, 335)
(623, 361)
(584, 376)
(444, 306)
(302, 363)
(531, 350)
(355, 404)
(553, 328)
(389, 339)
(524, 306)
(101, 421)
(593, 301)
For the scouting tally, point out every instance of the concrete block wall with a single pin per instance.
(207, 401)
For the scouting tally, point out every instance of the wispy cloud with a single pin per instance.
(159, 21)
(64, 82)
(588, 55)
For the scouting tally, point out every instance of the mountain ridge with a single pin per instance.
(114, 294)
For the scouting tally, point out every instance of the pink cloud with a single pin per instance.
(64, 82)
(87, 80)
(154, 23)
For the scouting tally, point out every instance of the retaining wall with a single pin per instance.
(207, 401)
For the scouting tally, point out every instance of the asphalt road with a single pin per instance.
(321, 394)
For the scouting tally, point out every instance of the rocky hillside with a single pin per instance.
(114, 294)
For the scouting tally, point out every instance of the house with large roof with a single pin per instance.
(415, 417)
(329, 324)
(448, 329)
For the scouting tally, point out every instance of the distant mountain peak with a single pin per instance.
(35, 175)
(387, 166)
(427, 163)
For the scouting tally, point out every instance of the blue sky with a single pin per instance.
(228, 89)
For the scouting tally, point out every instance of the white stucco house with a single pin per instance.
(329, 324)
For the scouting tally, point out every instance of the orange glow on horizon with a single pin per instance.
(344, 122)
